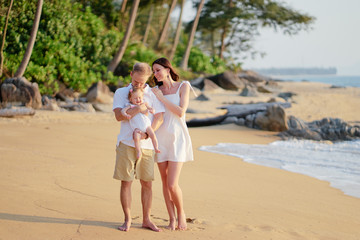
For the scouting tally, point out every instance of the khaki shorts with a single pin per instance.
(127, 167)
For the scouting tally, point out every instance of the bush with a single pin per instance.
(200, 62)
(72, 46)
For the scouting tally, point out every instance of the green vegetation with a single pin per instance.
(76, 41)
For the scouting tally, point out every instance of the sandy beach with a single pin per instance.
(56, 179)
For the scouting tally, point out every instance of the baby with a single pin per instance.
(140, 121)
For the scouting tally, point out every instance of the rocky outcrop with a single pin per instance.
(333, 129)
(210, 86)
(202, 97)
(228, 80)
(250, 82)
(273, 119)
(253, 77)
(99, 93)
(16, 112)
(286, 95)
(79, 107)
(20, 90)
(249, 91)
(243, 110)
(265, 116)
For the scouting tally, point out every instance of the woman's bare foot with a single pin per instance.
(171, 225)
(125, 227)
(182, 222)
(151, 226)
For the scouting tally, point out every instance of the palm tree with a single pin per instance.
(30, 46)
(147, 30)
(165, 28)
(123, 6)
(3, 40)
(118, 56)
(185, 60)
(178, 31)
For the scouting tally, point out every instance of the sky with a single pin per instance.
(333, 41)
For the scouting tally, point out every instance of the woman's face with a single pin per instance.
(160, 72)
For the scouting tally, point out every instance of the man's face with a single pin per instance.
(138, 80)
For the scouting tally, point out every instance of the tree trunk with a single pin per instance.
(165, 28)
(123, 6)
(223, 35)
(213, 43)
(29, 48)
(148, 25)
(178, 31)
(3, 40)
(222, 47)
(122, 15)
(117, 58)
(184, 63)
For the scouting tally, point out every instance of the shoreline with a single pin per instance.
(314, 166)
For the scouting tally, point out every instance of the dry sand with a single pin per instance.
(56, 180)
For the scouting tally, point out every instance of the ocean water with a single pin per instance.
(337, 163)
(341, 81)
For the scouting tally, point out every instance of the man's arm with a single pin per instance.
(132, 112)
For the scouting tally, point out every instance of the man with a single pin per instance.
(127, 166)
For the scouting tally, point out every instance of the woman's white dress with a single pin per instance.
(173, 135)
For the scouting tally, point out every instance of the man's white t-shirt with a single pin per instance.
(121, 100)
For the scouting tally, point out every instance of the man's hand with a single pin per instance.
(125, 115)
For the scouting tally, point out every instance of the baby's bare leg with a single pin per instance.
(137, 139)
(153, 138)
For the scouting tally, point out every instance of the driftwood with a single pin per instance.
(242, 110)
(16, 112)
(206, 121)
(235, 110)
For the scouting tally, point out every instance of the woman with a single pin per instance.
(173, 136)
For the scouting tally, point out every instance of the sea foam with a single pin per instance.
(337, 163)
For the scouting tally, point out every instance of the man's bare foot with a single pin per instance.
(125, 227)
(171, 225)
(151, 226)
(182, 222)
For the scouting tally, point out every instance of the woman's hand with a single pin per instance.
(158, 93)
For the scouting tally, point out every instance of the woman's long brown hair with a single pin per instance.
(166, 64)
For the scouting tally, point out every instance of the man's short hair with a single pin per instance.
(142, 68)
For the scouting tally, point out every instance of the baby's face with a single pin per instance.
(136, 98)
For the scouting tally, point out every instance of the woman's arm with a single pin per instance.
(157, 121)
(184, 100)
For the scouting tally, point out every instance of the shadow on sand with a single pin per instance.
(40, 219)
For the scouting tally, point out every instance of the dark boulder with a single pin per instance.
(274, 119)
(20, 90)
(228, 80)
(99, 93)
